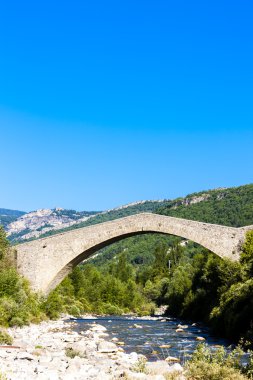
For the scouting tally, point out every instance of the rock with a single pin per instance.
(136, 326)
(98, 328)
(182, 326)
(52, 374)
(25, 356)
(129, 375)
(120, 343)
(160, 367)
(103, 335)
(45, 359)
(175, 368)
(106, 347)
(165, 346)
(200, 338)
(3, 354)
(179, 330)
(172, 359)
(79, 347)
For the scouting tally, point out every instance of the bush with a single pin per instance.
(5, 338)
(208, 365)
(17, 321)
(202, 370)
(74, 310)
(233, 316)
(71, 353)
(53, 305)
(112, 309)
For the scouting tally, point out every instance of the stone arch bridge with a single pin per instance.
(45, 262)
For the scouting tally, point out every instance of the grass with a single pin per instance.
(71, 353)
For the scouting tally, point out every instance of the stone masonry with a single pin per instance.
(45, 262)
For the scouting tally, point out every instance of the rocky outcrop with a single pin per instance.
(36, 223)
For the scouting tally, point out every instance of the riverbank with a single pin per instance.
(53, 351)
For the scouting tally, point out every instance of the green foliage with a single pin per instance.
(230, 207)
(234, 313)
(201, 370)
(88, 289)
(4, 244)
(5, 338)
(71, 353)
(18, 304)
(208, 365)
(140, 365)
(247, 253)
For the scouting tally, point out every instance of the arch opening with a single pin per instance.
(67, 269)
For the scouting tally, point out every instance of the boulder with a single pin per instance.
(200, 338)
(107, 347)
(98, 328)
(25, 356)
(79, 347)
(160, 367)
(172, 359)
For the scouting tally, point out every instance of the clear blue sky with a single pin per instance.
(107, 102)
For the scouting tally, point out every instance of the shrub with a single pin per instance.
(202, 370)
(5, 338)
(73, 310)
(71, 353)
(17, 321)
(208, 365)
(112, 309)
(233, 316)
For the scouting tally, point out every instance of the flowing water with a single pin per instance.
(147, 337)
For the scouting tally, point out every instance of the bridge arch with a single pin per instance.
(45, 262)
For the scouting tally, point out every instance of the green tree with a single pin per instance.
(247, 253)
(4, 244)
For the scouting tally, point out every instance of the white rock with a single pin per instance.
(25, 356)
(160, 367)
(175, 368)
(106, 347)
(200, 338)
(172, 359)
(135, 375)
(98, 328)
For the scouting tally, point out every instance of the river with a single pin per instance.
(147, 337)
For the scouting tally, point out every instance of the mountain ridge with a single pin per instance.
(226, 206)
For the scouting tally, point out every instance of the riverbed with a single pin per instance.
(156, 338)
(108, 348)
